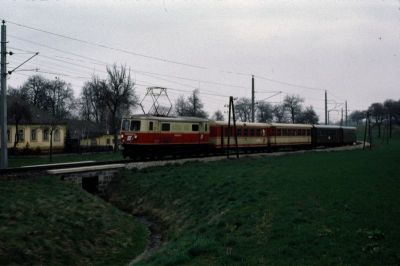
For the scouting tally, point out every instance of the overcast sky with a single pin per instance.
(348, 47)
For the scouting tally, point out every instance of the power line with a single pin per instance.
(108, 47)
(56, 49)
(191, 79)
(288, 83)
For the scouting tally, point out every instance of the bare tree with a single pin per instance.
(357, 116)
(377, 110)
(19, 111)
(308, 116)
(218, 116)
(293, 104)
(60, 99)
(264, 112)
(243, 109)
(181, 107)
(193, 106)
(34, 91)
(93, 106)
(119, 96)
(280, 113)
(55, 97)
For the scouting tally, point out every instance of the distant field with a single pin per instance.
(307, 209)
(45, 221)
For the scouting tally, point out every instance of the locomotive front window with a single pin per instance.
(125, 125)
(165, 127)
(195, 127)
(135, 125)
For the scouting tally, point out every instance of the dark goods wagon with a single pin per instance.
(326, 135)
(349, 135)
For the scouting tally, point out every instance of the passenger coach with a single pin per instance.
(250, 136)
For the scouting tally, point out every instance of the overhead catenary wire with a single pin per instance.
(106, 64)
(155, 57)
(99, 62)
(165, 60)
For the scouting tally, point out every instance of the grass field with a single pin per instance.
(308, 209)
(45, 221)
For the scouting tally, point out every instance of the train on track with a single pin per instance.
(145, 136)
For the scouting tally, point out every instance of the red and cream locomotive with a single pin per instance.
(156, 136)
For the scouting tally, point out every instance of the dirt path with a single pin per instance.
(155, 238)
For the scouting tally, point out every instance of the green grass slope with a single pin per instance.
(308, 209)
(45, 221)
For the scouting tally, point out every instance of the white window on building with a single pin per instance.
(57, 135)
(46, 134)
(21, 135)
(33, 134)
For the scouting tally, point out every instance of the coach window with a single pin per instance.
(205, 127)
(135, 125)
(165, 127)
(151, 126)
(246, 132)
(258, 132)
(239, 132)
(195, 127)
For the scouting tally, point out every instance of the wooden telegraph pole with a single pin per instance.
(3, 111)
(232, 111)
(365, 129)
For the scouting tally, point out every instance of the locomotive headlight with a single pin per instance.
(134, 136)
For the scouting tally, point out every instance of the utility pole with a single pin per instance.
(3, 111)
(326, 108)
(252, 98)
(345, 106)
(341, 120)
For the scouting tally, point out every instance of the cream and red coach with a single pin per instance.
(250, 136)
(145, 135)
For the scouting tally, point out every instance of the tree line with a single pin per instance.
(389, 110)
(291, 110)
(105, 101)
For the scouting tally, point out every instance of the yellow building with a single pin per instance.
(37, 136)
(101, 140)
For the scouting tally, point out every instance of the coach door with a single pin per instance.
(196, 130)
(153, 132)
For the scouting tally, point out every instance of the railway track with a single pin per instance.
(34, 170)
